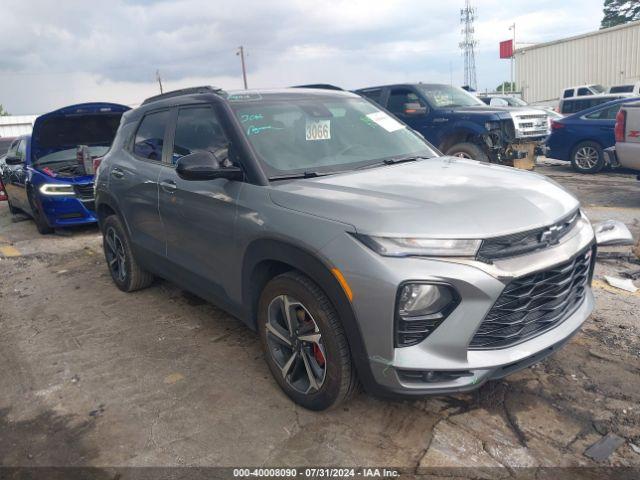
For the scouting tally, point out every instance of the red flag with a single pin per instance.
(506, 49)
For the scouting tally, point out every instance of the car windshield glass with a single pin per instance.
(69, 155)
(516, 102)
(442, 96)
(598, 88)
(324, 134)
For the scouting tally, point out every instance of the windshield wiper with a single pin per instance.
(307, 174)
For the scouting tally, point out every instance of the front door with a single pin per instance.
(199, 215)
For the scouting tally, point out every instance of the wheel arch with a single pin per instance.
(457, 135)
(266, 258)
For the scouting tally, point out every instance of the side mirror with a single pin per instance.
(414, 109)
(14, 161)
(612, 232)
(204, 165)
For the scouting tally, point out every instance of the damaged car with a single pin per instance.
(50, 172)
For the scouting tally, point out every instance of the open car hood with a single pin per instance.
(92, 124)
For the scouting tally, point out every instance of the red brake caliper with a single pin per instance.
(318, 354)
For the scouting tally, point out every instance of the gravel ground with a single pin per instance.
(95, 377)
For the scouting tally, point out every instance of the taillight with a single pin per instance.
(621, 125)
(3, 193)
(555, 125)
(96, 164)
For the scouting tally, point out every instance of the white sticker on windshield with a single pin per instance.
(387, 122)
(318, 130)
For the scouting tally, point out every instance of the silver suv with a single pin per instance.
(358, 252)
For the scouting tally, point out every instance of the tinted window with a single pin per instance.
(21, 153)
(568, 93)
(374, 94)
(150, 136)
(608, 113)
(583, 91)
(621, 89)
(198, 129)
(399, 97)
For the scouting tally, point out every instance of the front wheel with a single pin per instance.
(125, 271)
(38, 216)
(587, 157)
(467, 150)
(304, 342)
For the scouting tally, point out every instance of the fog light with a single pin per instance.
(420, 309)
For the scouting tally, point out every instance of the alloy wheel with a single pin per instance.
(462, 155)
(587, 157)
(116, 256)
(295, 344)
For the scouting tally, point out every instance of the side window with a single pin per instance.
(150, 136)
(583, 91)
(608, 113)
(568, 93)
(13, 148)
(399, 98)
(21, 151)
(373, 94)
(198, 129)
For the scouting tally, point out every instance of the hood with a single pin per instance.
(92, 124)
(442, 197)
(483, 110)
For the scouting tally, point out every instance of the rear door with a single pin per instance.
(133, 181)
(16, 176)
(602, 123)
(199, 215)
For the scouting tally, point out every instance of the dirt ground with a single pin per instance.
(92, 376)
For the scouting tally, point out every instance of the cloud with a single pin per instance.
(52, 53)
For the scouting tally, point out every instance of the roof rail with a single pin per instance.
(319, 86)
(184, 91)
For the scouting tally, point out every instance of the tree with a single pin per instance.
(618, 12)
(506, 87)
(3, 112)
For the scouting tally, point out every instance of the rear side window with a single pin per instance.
(149, 139)
(583, 91)
(198, 129)
(621, 89)
(608, 113)
(568, 93)
(374, 94)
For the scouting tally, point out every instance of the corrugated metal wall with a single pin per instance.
(607, 57)
(15, 125)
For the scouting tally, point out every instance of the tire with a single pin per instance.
(125, 271)
(39, 219)
(317, 345)
(467, 150)
(587, 157)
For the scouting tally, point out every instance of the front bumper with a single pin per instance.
(63, 211)
(374, 281)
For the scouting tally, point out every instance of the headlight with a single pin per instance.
(420, 309)
(56, 189)
(425, 247)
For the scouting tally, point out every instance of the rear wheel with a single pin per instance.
(467, 150)
(304, 342)
(125, 271)
(587, 157)
(38, 216)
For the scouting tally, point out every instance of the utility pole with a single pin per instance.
(468, 44)
(240, 52)
(512, 87)
(159, 81)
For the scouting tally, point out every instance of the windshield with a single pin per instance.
(515, 102)
(69, 155)
(443, 96)
(598, 88)
(316, 134)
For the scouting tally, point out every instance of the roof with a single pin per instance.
(603, 31)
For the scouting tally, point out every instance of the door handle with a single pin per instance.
(117, 173)
(169, 186)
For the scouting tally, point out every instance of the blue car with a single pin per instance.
(43, 176)
(582, 137)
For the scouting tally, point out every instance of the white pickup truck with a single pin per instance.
(626, 153)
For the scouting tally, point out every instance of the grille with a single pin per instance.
(531, 305)
(525, 242)
(84, 191)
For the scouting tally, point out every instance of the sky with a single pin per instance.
(56, 53)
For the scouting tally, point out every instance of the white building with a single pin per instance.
(607, 57)
(15, 125)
